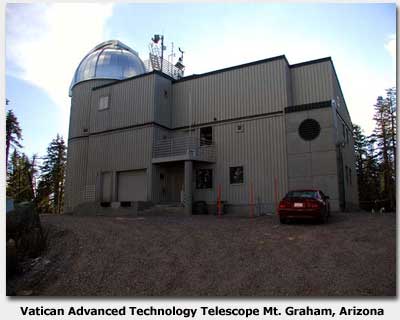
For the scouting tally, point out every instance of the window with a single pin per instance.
(239, 128)
(103, 103)
(309, 129)
(236, 175)
(206, 136)
(204, 179)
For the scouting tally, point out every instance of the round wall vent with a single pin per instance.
(309, 129)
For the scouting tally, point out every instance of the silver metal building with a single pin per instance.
(252, 131)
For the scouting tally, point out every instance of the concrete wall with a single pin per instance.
(313, 164)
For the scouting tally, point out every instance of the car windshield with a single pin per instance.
(302, 194)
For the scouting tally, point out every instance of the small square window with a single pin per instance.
(239, 128)
(236, 175)
(204, 179)
(103, 103)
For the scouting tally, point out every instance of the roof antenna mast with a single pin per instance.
(156, 61)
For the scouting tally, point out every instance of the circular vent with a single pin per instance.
(309, 129)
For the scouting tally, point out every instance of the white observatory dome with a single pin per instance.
(109, 60)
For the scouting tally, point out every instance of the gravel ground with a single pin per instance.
(353, 255)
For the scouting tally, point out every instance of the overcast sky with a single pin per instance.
(45, 43)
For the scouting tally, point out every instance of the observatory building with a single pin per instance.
(142, 134)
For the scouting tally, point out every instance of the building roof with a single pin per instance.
(195, 76)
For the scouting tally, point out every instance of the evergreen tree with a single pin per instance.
(384, 135)
(20, 184)
(53, 175)
(367, 166)
(42, 200)
(13, 132)
(392, 103)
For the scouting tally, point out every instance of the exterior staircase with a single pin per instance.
(164, 209)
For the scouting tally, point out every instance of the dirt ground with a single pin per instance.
(353, 255)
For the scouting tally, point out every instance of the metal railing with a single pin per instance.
(167, 67)
(185, 148)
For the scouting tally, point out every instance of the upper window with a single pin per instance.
(236, 175)
(309, 129)
(206, 136)
(103, 103)
(239, 128)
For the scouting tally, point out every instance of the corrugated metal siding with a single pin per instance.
(313, 164)
(131, 102)
(162, 112)
(80, 106)
(260, 149)
(340, 102)
(348, 154)
(76, 172)
(119, 151)
(312, 83)
(236, 93)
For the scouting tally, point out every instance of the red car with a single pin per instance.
(307, 204)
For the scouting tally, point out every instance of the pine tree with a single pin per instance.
(53, 174)
(20, 183)
(13, 132)
(392, 106)
(385, 136)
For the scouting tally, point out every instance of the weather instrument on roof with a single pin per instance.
(179, 64)
(156, 58)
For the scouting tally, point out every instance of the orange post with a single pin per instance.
(251, 201)
(219, 205)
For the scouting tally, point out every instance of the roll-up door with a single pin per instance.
(132, 185)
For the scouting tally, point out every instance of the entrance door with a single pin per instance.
(171, 182)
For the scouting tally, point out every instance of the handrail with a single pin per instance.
(192, 147)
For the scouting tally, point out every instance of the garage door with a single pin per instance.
(132, 185)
